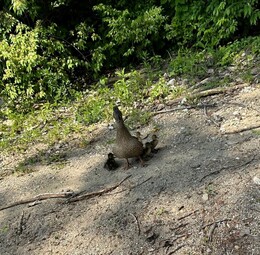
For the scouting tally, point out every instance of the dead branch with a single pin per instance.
(212, 173)
(72, 196)
(21, 223)
(227, 167)
(211, 231)
(179, 247)
(180, 226)
(187, 107)
(209, 118)
(187, 215)
(38, 198)
(207, 93)
(215, 222)
(242, 130)
(139, 184)
(96, 193)
(137, 223)
(180, 236)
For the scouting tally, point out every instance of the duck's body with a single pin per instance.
(126, 145)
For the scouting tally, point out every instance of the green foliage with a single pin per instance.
(49, 50)
(128, 33)
(188, 62)
(138, 118)
(38, 72)
(92, 110)
(128, 89)
(209, 24)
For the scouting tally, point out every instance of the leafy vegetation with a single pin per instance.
(58, 58)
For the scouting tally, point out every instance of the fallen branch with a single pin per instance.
(137, 223)
(215, 222)
(207, 93)
(38, 198)
(227, 167)
(78, 197)
(180, 226)
(210, 118)
(180, 236)
(139, 184)
(187, 215)
(179, 247)
(211, 231)
(242, 130)
(187, 107)
(72, 196)
(21, 224)
(212, 173)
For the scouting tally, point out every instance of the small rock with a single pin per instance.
(184, 100)
(210, 71)
(255, 71)
(160, 107)
(231, 68)
(239, 80)
(256, 180)
(184, 82)
(171, 82)
(166, 76)
(247, 89)
(208, 250)
(8, 123)
(205, 197)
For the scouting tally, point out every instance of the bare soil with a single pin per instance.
(200, 194)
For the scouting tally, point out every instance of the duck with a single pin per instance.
(111, 164)
(126, 146)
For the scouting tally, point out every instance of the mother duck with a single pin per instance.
(126, 146)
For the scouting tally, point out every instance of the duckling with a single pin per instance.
(138, 136)
(154, 143)
(111, 163)
(147, 150)
(126, 146)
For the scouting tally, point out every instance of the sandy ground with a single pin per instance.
(200, 194)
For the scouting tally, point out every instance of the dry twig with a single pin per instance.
(228, 167)
(20, 229)
(184, 108)
(139, 184)
(215, 222)
(242, 130)
(137, 223)
(179, 247)
(96, 193)
(180, 226)
(38, 198)
(209, 92)
(211, 231)
(187, 215)
(72, 197)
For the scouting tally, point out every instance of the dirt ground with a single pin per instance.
(200, 194)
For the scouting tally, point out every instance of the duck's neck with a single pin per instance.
(122, 131)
